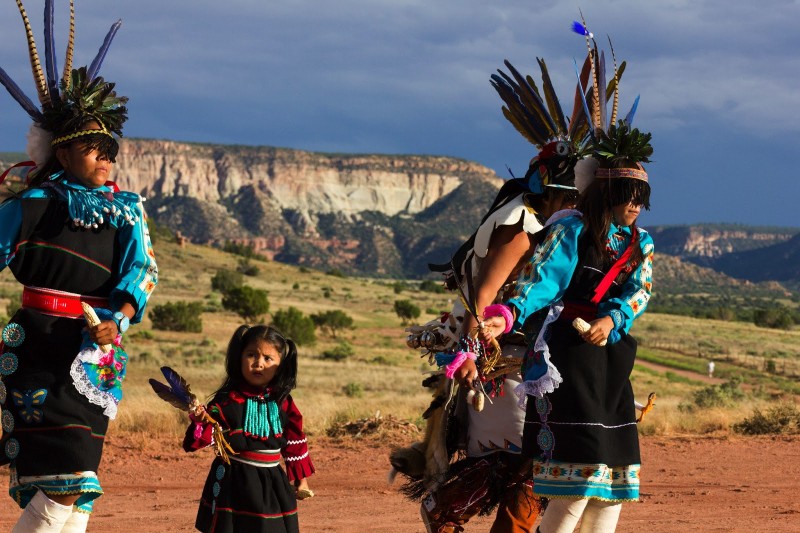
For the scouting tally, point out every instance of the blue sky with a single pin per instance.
(718, 82)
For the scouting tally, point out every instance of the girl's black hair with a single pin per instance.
(285, 378)
(596, 203)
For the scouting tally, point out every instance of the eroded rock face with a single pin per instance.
(322, 210)
(304, 182)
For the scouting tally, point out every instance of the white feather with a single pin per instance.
(584, 173)
(38, 147)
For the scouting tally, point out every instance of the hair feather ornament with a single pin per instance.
(178, 393)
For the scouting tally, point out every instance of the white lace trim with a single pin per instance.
(301, 441)
(88, 389)
(552, 378)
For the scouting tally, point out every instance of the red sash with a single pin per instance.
(58, 303)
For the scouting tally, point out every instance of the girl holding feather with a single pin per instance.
(70, 238)
(246, 489)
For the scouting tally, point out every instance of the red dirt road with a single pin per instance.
(704, 484)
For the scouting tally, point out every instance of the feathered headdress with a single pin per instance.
(538, 116)
(69, 104)
(617, 149)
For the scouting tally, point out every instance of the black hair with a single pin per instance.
(596, 203)
(286, 376)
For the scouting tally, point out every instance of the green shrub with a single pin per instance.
(777, 317)
(225, 280)
(429, 285)
(178, 316)
(245, 250)
(247, 268)
(333, 321)
(399, 286)
(406, 310)
(295, 325)
(340, 352)
(778, 419)
(247, 302)
(353, 390)
(335, 272)
(724, 395)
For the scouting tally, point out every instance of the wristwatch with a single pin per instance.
(122, 321)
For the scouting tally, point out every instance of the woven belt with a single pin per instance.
(58, 303)
(262, 459)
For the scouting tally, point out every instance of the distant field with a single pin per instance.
(388, 374)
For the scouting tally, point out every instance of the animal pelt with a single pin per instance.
(425, 463)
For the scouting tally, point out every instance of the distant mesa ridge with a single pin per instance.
(384, 215)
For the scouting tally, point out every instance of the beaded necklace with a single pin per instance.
(89, 208)
(262, 417)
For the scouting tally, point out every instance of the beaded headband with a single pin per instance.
(71, 136)
(633, 173)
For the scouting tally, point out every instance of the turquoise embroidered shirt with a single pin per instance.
(545, 278)
(137, 273)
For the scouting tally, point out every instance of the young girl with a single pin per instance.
(261, 424)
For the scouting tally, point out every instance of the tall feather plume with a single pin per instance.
(36, 66)
(532, 100)
(579, 109)
(612, 85)
(552, 99)
(584, 95)
(49, 52)
(101, 54)
(615, 105)
(602, 95)
(591, 46)
(70, 44)
(516, 111)
(17, 94)
(632, 112)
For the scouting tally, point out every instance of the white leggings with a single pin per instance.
(562, 515)
(43, 515)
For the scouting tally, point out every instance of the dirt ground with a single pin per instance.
(688, 484)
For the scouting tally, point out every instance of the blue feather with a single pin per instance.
(178, 385)
(583, 97)
(17, 94)
(101, 54)
(50, 52)
(166, 394)
(632, 112)
(580, 29)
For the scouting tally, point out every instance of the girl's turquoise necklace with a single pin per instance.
(262, 417)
